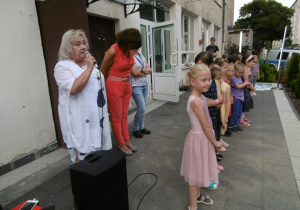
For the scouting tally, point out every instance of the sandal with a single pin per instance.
(206, 200)
(212, 186)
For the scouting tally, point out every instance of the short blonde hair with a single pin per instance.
(214, 70)
(65, 51)
(194, 70)
(239, 65)
(230, 66)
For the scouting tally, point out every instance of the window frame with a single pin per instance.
(191, 37)
(155, 11)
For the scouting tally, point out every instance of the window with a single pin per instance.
(204, 31)
(284, 55)
(144, 41)
(162, 16)
(155, 15)
(216, 34)
(187, 39)
(147, 14)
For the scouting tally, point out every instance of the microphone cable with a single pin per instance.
(156, 179)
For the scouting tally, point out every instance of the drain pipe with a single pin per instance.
(223, 28)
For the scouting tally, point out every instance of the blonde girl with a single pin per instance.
(199, 165)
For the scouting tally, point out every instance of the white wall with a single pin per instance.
(26, 117)
(115, 11)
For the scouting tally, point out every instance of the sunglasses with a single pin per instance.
(241, 72)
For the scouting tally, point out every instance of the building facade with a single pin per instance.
(240, 37)
(173, 31)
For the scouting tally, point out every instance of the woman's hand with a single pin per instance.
(108, 61)
(90, 61)
(137, 72)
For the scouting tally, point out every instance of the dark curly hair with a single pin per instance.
(129, 39)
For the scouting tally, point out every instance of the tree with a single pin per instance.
(267, 18)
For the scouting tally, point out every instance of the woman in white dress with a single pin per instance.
(82, 104)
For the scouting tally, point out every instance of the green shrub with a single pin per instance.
(292, 69)
(283, 71)
(268, 73)
(261, 76)
(293, 84)
(297, 86)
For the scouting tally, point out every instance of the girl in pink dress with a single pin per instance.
(199, 164)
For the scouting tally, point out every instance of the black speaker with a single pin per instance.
(100, 181)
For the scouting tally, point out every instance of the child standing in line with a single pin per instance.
(217, 74)
(226, 91)
(247, 60)
(199, 165)
(212, 95)
(255, 71)
(214, 99)
(226, 78)
(237, 86)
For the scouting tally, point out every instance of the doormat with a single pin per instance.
(263, 86)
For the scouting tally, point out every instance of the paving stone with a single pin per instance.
(280, 200)
(279, 178)
(58, 183)
(232, 204)
(274, 137)
(245, 193)
(277, 155)
(270, 126)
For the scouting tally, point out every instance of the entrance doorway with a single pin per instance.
(102, 36)
(164, 62)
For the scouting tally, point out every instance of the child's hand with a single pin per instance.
(248, 85)
(221, 99)
(223, 126)
(218, 144)
(231, 100)
(226, 120)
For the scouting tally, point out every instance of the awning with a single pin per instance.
(138, 5)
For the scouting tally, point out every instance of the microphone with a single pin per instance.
(95, 63)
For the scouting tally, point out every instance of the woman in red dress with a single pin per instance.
(116, 67)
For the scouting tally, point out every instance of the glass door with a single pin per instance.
(164, 76)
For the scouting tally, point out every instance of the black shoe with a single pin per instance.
(227, 133)
(145, 131)
(219, 156)
(234, 129)
(239, 128)
(219, 161)
(137, 134)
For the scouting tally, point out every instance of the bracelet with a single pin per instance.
(142, 70)
(217, 101)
